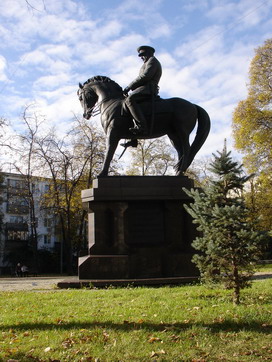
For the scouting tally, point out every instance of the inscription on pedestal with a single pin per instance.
(145, 223)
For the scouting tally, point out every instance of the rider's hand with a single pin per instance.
(125, 91)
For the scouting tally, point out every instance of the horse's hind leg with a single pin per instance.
(178, 147)
(182, 146)
(186, 152)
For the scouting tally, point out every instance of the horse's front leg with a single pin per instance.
(111, 145)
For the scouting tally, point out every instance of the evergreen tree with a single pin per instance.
(229, 247)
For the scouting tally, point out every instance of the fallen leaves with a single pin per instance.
(68, 342)
(174, 338)
(219, 319)
(154, 339)
(253, 352)
(157, 353)
(106, 336)
(59, 321)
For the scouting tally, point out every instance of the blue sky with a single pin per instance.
(205, 48)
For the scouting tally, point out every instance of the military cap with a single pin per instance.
(142, 50)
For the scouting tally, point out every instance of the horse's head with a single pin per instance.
(87, 98)
(97, 87)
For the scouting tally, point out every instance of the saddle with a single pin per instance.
(159, 106)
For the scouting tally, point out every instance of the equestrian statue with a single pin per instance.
(142, 114)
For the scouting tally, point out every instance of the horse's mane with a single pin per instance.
(103, 79)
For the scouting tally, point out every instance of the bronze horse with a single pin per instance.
(174, 117)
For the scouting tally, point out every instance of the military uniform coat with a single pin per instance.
(149, 77)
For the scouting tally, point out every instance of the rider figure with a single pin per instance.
(144, 86)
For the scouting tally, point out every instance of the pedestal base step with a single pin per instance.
(101, 283)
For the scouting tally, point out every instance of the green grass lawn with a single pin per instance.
(265, 268)
(187, 323)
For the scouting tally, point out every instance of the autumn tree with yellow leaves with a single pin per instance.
(252, 130)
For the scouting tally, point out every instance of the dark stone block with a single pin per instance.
(138, 228)
(144, 223)
(104, 266)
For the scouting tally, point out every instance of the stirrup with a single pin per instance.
(131, 143)
(138, 130)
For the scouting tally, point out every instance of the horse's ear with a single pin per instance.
(80, 85)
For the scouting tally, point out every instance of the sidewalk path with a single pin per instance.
(50, 283)
(30, 283)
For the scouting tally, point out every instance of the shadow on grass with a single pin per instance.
(126, 326)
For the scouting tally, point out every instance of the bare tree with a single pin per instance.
(26, 165)
(32, 7)
(199, 171)
(152, 157)
(72, 162)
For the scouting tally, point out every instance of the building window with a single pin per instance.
(18, 201)
(17, 235)
(16, 219)
(18, 184)
(47, 222)
(46, 188)
(47, 239)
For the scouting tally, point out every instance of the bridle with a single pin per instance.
(95, 110)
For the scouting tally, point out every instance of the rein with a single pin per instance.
(95, 110)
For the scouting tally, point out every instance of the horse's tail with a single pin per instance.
(203, 129)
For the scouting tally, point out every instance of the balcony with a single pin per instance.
(17, 235)
(19, 191)
(22, 226)
(15, 245)
(17, 209)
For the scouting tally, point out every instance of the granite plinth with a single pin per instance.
(137, 188)
(138, 228)
(101, 283)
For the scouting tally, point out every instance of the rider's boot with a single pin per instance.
(139, 120)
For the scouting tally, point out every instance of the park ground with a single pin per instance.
(196, 323)
(51, 282)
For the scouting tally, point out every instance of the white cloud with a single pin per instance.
(215, 142)
(3, 65)
(160, 30)
(61, 111)
(49, 59)
(112, 57)
(136, 8)
(244, 14)
(12, 9)
(51, 81)
(61, 51)
(46, 52)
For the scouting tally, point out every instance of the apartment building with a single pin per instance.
(25, 224)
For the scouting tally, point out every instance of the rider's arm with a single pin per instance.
(147, 72)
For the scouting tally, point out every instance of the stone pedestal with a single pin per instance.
(138, 228)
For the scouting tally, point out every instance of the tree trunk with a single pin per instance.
(236, 291)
